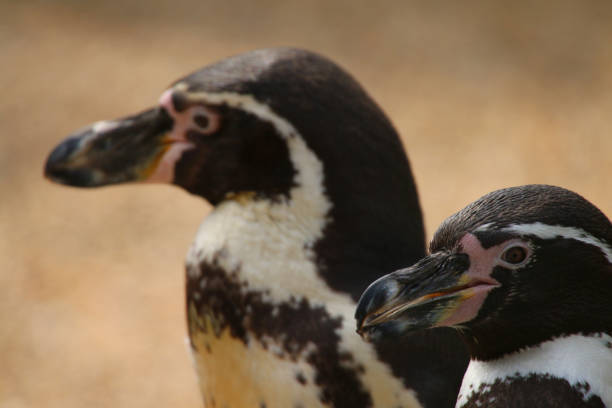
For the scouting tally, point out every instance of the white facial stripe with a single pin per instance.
(104, 126)
(545, 231)
(574, 358)
(248, 104)
(484, 227)
(270, 245)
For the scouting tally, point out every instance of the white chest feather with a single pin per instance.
(269, 246)
(577, 359)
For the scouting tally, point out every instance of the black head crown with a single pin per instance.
(258, 126)
(516, 267)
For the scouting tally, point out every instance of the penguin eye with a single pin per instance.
(514, 255)
(204, 119)
(201, 120)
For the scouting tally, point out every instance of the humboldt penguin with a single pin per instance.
(313, 198)
(524, 275)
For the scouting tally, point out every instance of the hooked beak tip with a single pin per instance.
(375, 297)
(59, 167)
(60, 155)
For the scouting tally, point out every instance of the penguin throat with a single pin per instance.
(582, 362)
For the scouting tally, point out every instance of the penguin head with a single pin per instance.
(514, 268)
(243, 126)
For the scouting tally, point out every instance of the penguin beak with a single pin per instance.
(434, 292)
(111, 152)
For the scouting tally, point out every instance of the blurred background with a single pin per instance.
(91, 282)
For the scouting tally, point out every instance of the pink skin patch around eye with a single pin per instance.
(177, 138)
(186, 120)
(164, 171)
(482, 262)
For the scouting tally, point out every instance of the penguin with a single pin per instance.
(524, 274)
(313, 197)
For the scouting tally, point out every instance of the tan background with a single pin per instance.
(91, 282)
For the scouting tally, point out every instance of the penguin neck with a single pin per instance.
(270, 243)
(267, 245)
(576, 364)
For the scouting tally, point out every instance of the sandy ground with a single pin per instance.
(91, 301)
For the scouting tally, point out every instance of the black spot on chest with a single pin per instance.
(299, 328)
(534, 391)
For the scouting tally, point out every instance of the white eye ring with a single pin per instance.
(515, 254)
(203, 120)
